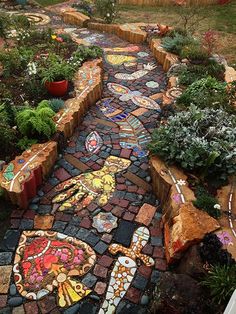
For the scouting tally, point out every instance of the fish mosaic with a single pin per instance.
(117, 60)
(93, 142)
(137, 74)
(97, 186)
(46, 261)
(132, 133)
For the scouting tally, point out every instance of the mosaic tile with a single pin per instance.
(126, 94)
(152, 84)
(96, 186)
(5, 277)
(117, 60)
(174, 93)
(125, 268)
(123, 49)
(142, 54)
(137, 74)
(93, 142)
(47, 260)
(145, 214)
(43, 222)
(37, 18)
(132, 133)
(104, 222)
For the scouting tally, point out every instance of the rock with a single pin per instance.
(144, 300)
(220, 59)
(179, 294)
(15, 301)
(188, 228)
(13, 289)
(191, 264)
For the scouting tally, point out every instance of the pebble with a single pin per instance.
(148, 179)
(15, 301)
(144, 300)
(40, 193)
(13, 290)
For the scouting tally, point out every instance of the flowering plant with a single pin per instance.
(107, 9)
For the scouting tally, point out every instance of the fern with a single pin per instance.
(37, 123)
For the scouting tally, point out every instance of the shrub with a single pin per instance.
(175, 44)
(203, 141)
(56, 104)
(194, 52)
(107, 9)
(177, 31)
(206, 202)
(36, 123)
(85, 53)
(7, 134)
(25, 143)
(206, 93)
(221, 281)
(192, 73)
(84, 7)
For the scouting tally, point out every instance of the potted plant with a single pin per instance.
(55, 74)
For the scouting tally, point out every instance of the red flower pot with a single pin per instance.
(57, 88)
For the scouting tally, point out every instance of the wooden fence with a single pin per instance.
(165, 2)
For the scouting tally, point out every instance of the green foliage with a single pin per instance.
(85, 53)
(10, 112)
(8, 23)
(175, 44)
(25, 143)
(56, 104)
(37, 123)
(193, 72)
(203, 141)
(15, 60)
(206, 93)
(221, 281)
(177, 31)
(206, 202)
(84, 7)
(194, 52)
(107, 9)
(55, 69)
(7, 134)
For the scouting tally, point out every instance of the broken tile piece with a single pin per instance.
(43, 222)
(104, 222)
(145, 214)
(5, 277)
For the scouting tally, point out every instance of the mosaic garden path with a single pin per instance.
(99, 221)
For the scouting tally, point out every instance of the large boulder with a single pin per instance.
(187, 228)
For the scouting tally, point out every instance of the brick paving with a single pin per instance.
(133, 202)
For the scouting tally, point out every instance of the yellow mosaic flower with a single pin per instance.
(54, 36)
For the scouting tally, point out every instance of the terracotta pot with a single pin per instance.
(57, 88)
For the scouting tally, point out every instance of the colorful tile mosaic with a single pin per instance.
(123, 49)
(5, 277)
(174, 93)
(125, 268)
(132, 133)
(45, 261)
(93, 142)
(126, 94)
(104, 222)
(96, 186)
(137, 74)
(37, 18)
(117, 60)
(142, 54)
(152, 84)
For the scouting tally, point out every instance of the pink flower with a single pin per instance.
(225, 238)
(59, 39)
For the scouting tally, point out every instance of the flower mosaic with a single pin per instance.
(96, 186)
(174, 93)
(137, 74)
(152, 84)
(93, 142)
(132, 133)
(104, 222)
(126, 94)
(125, 268)
(46, 261)
(117, 60)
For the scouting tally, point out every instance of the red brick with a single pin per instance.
(148, 249)
(3, 300)
(121, 187)
(29, 214)
(118, 211)
(66, 217)
(95, 167)
(105, 261)
(85, 223)
(146, 214)
(133, 209)
(15, 223)
(100, 287)
(125, 153)
(47, 187)
(17, 213)
(92, 207)
(141, 191)
(107, 238)
(132, 188)
(47, 304)
(108, 207)
(123, 203)
(100, 271)
(155, 231)
(160, 264)
(78, 155)
(61, 174)
(159, 252)
(128, 216)
(133, 295)
(31, 307)
(120, 180)
(145, 271)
